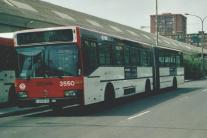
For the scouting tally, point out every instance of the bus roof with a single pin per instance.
(164, 42)
(59, 16)
(7, 35)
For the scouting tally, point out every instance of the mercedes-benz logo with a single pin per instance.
(45, 93)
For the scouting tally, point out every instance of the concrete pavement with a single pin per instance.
(176, 114)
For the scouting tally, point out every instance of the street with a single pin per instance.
(173, 114)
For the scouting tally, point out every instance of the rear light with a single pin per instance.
(70, 93)
(22, 95)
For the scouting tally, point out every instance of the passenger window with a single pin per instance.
(90, 56)
(126, 56)
(104, 54)
(133, 56)
(118, 55)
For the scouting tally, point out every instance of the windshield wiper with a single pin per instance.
(28, 78)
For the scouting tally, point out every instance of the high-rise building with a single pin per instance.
(174, 26)
(169, 24)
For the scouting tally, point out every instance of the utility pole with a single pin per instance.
(155, 52)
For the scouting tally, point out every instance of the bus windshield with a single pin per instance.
(47, 61)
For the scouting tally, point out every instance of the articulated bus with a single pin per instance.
(74, 65)
(7, 70)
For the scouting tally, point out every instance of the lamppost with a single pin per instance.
(202, 36)
(156, 24)
(156, 82)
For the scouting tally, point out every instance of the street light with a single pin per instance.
(156, 23)
(156, 87)
(202, 34)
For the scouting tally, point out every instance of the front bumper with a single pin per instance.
(49, 101)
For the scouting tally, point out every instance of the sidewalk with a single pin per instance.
(9, 111)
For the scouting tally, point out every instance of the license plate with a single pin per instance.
(42, 101)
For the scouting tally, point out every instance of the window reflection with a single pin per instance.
(55, 60)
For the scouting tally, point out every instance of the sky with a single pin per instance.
(136, 13)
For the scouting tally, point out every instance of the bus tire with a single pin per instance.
(12, 99)
(147, 86)
(175, 85)
(109, 96)
(21, 104)
(57, 108)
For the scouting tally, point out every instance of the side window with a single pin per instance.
(149, 58)
(167, 60)
(118, 55)
(146, 59)
(104, 54)
(170, 59)
(178, 61)
(161, 59)
(173, 60)
(126, 56)
(143, 57)
(133, 56)
(90, 56)
(138, 57)
(181, 59)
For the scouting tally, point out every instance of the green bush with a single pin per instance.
(192, 65)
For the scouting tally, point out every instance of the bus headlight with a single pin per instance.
(22, 86)
(22, 95)
(70, 93)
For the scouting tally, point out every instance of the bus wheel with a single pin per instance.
(175, 85)
(12, 99)
(21, 104)
(56, 107)
(109, 96)
(147, 86)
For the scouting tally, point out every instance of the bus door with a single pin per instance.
(92, 77)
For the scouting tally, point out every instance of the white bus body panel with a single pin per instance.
(95, 84)
(9, 35)
(165, 79)
(145, 73)
(180, 75)
(7, 78)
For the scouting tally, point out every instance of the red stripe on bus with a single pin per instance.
(54, 87)
(6, 42)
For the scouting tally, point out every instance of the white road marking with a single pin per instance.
(69, 106)
(204, 90)
(183, 98)
(138, 115)
(38, 112)
(34, 113)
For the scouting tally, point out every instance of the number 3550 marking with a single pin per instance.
(66, 83)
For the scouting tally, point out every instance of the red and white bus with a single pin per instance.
(7, 70)
(74, 65)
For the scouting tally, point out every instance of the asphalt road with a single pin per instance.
(173, 114)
